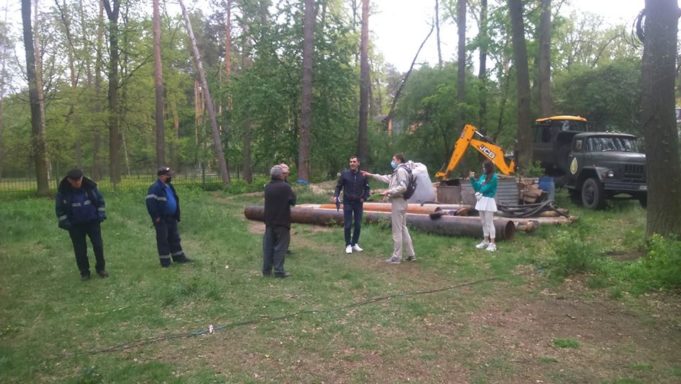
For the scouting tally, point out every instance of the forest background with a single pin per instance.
(595, 73)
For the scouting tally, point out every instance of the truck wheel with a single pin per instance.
(593, 196)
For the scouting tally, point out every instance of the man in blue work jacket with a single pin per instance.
(163, 206)
(80, 209)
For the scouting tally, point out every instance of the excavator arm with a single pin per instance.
(490, 150)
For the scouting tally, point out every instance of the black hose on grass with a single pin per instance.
(212, 329)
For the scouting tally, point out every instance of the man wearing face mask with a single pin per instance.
(163, 206)
(397, 185)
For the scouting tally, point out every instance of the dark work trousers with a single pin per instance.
(167, 239)
(274, 246)
(350, 209)
(94, 232)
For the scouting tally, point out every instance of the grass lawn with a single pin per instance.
(457, 315)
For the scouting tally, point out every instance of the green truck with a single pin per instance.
(593, 166)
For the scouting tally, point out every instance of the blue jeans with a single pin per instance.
(350, 209)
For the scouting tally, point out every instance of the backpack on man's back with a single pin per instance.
(411, 183)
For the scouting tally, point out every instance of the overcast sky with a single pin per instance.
(399, 26)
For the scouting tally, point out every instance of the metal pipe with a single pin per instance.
(446, 225)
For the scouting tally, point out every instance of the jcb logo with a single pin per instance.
(487, 152)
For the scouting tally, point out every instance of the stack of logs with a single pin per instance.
(529, 191)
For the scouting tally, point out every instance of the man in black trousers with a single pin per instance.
(279, 198)
(163, 206)
(80, 209)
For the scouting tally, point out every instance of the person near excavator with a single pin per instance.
(485, 189)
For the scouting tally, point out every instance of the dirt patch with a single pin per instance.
(625, 255)
(608, 338)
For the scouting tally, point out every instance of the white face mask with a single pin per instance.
(393, 164)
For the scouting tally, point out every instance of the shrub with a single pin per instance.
(573, 255)
(660, 269)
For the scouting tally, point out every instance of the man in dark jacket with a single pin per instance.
(80, 209)
(279, 197)
(356, 190)
(163, 206)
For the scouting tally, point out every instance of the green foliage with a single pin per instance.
(607, 95)
(566, 343)
(572, 253)
(659, 269)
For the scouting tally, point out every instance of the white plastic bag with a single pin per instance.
(424, 192)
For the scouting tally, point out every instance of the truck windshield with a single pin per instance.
(612, 143)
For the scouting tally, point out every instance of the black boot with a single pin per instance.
(181, 258)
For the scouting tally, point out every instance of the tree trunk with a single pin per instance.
(115, 138)
(524, 149)
(97, 171)
(34, 92)
(306, 102)
(364, 86)
(217, 142)
(482, 72)
(4, 54)
(437, 34)
(158, 87)
(657, 113)
(228, 49)
(73, 94)
(247, 124)
(172, 152)
(461, 58)
(544, 60)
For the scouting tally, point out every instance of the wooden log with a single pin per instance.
(446, 225)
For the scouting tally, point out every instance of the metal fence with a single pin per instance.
(128, 182)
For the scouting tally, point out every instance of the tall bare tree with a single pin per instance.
(217, 141)
(461, 58)
(112, 8)
(524, 149)
(228, 42)
(38, 146)
(4, 50)
(364, 86)
(544, 60)
(97, 168)
(158, 87)
(658, 72)
(437, 33)
(483, 38)
(66, 17)
(306, 100)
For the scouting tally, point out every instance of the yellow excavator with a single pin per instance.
(471, 137)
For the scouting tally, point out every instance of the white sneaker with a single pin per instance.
(356, 248)
(483, 244)
(492, 247)
(348, 249)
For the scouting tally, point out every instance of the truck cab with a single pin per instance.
(602, 165)
(594, 166)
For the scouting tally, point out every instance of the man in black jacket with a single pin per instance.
(356, 190)
(163, 206)
(279, 198)
(80, 209)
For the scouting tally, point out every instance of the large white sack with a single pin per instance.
(424, 187)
